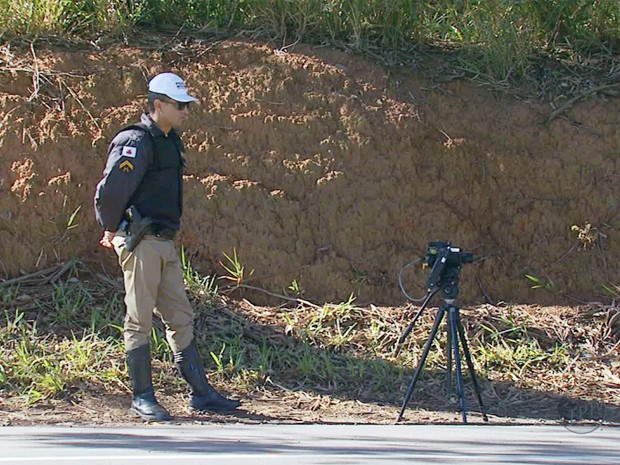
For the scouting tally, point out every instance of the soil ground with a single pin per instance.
(111, 410)
(583, 390)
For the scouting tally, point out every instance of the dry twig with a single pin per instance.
(579, 97)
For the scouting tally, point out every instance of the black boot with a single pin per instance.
(202, 395)
(143, 402)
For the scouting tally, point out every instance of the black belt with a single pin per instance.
(164, 233)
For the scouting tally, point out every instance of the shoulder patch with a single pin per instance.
(125, 166)
(129, 152)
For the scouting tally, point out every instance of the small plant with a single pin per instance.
(374, 333)
(359, 277)
(587, 235)
(236, 271)
(308, 362)
(342, 337)
(294, 289)
(329, 314)
(333, 323)
(71, 224)
(201, 287)
(265, 358)
(8, 294)
(3, 376)
(159, 345)
(540, 283)
(217, 358)
(612, 289)
(14, 322)
(515, 358)
(69, 301)
(59, 231)
(231, 355)
(512, 349)
(106, 318)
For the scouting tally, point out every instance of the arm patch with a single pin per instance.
(129, 152)
(125, 166)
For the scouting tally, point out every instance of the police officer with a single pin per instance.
(144, 170)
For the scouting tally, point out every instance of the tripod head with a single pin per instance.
(445, 263)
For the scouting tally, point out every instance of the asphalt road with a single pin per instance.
(308, 444)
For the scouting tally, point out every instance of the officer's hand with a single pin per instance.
(106, 240)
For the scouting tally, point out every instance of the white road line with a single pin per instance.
(278, 457)
(92, 460)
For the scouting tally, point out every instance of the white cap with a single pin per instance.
(172, 86)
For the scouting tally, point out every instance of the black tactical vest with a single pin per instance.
(160, 194)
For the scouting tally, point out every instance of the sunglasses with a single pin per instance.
(180, 105)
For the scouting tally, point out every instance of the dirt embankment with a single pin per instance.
(319, 167)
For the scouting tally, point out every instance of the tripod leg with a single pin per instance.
(448, 361)
(402, 338)
(470, 366)
(452, 333)
(418, 370)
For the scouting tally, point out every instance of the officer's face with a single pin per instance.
(174, 113)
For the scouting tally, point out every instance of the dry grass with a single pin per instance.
(530, 360)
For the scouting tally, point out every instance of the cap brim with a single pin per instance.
(182, 98)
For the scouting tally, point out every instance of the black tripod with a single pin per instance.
(444, 279)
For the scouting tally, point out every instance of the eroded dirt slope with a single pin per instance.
(319, 167)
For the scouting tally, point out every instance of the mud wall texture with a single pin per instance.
(320, 168)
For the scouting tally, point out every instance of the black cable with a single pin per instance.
(400, 282)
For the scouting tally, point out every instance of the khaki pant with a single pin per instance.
(154, 284)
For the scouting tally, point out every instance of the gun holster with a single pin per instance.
(137, 227)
